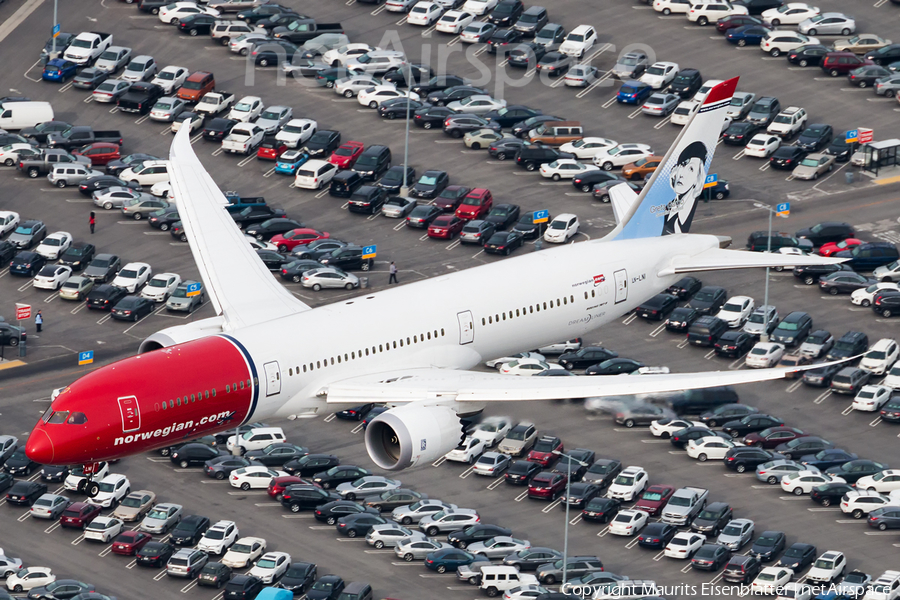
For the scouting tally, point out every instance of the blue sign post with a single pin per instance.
(86, 358)
(193, 289)
(711, 180)
(852, 136)
(541, 216)
(56, 30)
(783, 209)
(369, 251)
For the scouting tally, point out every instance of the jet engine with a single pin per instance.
(412, 434)
(182, 333)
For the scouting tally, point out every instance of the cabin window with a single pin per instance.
(346, 358)
(206, 394)
(395, 344)
(442, 333)
(572, 299)
(178, 401)
(164, 407)
(429, 335)
(332, 360)
(242, 385)
(318, 365)
(517, 312)
(291, 372)
(193, 398)
(407, 342)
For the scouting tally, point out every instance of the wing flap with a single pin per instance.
(715, 259)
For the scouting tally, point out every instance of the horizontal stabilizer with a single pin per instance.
(716, 259)
(622, 197)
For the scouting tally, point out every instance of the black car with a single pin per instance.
(348, 258)
(614, 366)
(741, 458)
(528, 228)
(476, 533)
(318, 249)
(815, 136)
(657, 307)
(275, 455)
(421, 216)
(357, 413)
(798, 557)
(554, 64)
(830, 493)
(131, 308)
(221, 466)
(504, 242)
(338, 475)
(78, 255)
(398, 75)
(114, 167)
(392, 180)
(310, 464)
(532, 156)
(438, 83)
(429, 185)
(272, 259)
(194, 25)
(868, 256)
(885, 55)
(826, 232)
(887, 305)
(367, 199)
(41, 131)
(810, 274)
(218, 129)
(6, 481)
(713, 518)
(726, 412)
(656, 535)
(271, 227)
(256, 214)
(585, 357)
(391, 499)
(793, 329)
(189, 530)
(299, 577)
(579, 494)
(140, 97)
(520, 130)
(214, 574)
(506, 147)
(738, 134)
(503, 215)
(686, 83)
(506, 13)
(263, 11)
(61, 589)
(852, 343)
(742, 569)
(787, 157)
(709, 299)
(685, 287)
(242, 587)
(54, 473)
(399, 108)
(797, 447)
(830, 457)
(7, 251)
(680, 438)
(271, 52)
(19, 463)
(532, 558)
(734, 344)
(867, 76)
(890, 412)
(24, 493)
(299, 497)
(526, 55)
(751, 423)
(681, 318)
(576, 464)
(102, 182)
(459, 124)
(844, 282)
(192, 454)
(103, 267)
(429, 117)
(105, 297)
(821, 377)
(452, 94)
(323, 142)
(328, 587)
(510, 115)
(710, 557)
(154, 554)
(854, 470)
(601, 509)
(521, 472)
(757, 7)
(808, 55)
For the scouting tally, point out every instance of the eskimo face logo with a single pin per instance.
(686, 178)
(598, 279)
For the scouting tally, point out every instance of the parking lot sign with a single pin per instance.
(369, 251)
(852, 136)
(86, 358)
(711, 180)
(541, 216)
(783, 209)
(193, 289)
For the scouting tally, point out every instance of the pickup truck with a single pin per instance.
(237, 203)
(685, 504)
(243, 139)
(87, 47)
(303, 30)
(81, 135)
(49, 158)
(214, 103)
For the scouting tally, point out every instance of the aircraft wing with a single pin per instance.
(472, 386)
(240, 286)
(716, 259)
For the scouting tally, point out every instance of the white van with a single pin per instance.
(19, 115)
(499, 578)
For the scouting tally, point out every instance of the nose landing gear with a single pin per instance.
(88, 485)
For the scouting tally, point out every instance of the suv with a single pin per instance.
(197, 85)
(376, 62)
(712, 519)
(852, 343)
(186, 563)
(257, 438)
(793, 329)
(629, 484)
(519, 439)
(687, 83)
(849, 380)
(576, 566)
(841, 63)
(373, 162)
(532, 157)
(706, 330)
(789, 122)
(868, 256)
(300, 497)
(532, 20)
(859, 503)
(69, 174)
(764, 110)
(224, 31)
(742, 569)
(759, 242)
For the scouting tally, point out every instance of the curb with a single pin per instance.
(104, 355)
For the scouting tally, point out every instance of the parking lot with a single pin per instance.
(69, 327)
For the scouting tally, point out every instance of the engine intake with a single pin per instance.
(182, 333)
(408, 435)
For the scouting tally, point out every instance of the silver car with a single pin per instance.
(390, 534)
(138, 208)
(471, 573)
(116, 196)
(113, 59)
(491, 464)
(370, 485)
(763, 316)
(274, 117)
(183, 300)
(478, 104)
(660, 104)
(451, 519)
(410, 549)
(888, 85)
(413, 513)
(329, 277)
(8, 445)
(830, 23)
(814, 165)
(8, 565)
(519, 439)
(741, 103)
(500, 546)
(242, 44)
(398, 207)
(772, 471)
(166, 109)
(110, 90)
(737, 533)
(49, 506)
(630, 65)
(348, 87)
(162, 518)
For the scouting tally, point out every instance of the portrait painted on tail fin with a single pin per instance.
(686, 178)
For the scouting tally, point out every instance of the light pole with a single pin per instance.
(569, 460)
(404, 189)
(764, 336)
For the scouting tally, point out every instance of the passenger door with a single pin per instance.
(273, 378)
(621, 278)
(466, 327)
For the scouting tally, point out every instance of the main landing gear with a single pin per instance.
(88, 485)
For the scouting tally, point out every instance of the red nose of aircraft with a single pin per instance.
(39, 447)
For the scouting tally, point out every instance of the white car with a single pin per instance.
(664, 428)
(479, 7)
(781, 40)
(668, 7)
(338, 57)
(881, 355)
(454, 21)
(132, 276)
(736, 310)
(149, 173)
(864, 296)
(762, 145)
(162, 189)
(884, 482)
(51, 277)
(802, 482)
(788, 122)
(565, 168)
(628, 522)
(684, 111)
(871, 398)
(246, 109)
(271, 566)
(425, 13)
(660, 74)
(451, 519)
(705, 11)
(171, 13)
(161, 286)
(892, 379)
(9, 155)
(54, 245)
(525, 367)
(859, 503)
(621, 155)
(243, 138)
(113, 488)
(467, 451)
(245, 42)
(9, 220)
(587, 148)
(314, 174)
(712, 447)
(478, 104)
(770, 580)
(792, 13)
(274, 117)
(103, 529)
(218, 538)
(684, 545)
(243, 552)
(29, 578)
(629, 484)
(297, 132)
(253, 478)
(373, 97)
(76, 476)
(827, 568)
(579, 41)
(171, 78)
(499, 362)
(764, 355)
(492, 430)
(561, 229)
(350, 86)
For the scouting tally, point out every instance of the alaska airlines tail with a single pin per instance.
(667, 203)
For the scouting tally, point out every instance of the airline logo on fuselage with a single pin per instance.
(142, 436)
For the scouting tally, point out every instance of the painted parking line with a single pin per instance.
(246, 161)
(25, 286)
(105, 552)
(429, 31)
(321, 527)
(159, 576)
(52, 528)
(142, 119)
(496, 483)
(357, 429)
(737, 364)
(709, 354)
(821, 398)
(603, 532)
(608, 103)
(439, 461)
(78, 540)
(575, 521)
(824, 509)
(330, 418)
(132, 564)
(24, 517)
(323, 193)
(466, 473)
(630, 319)
(522, 496)
(875, 422)
(378, 10)
(189, 587)
(549, 508)
(104, 319)
(660, 328)
(266, 504)
(635, 113)
(632, 543)
(401, 21)
(794, 386)
(686, 568)
(594, 85)
(296, 516)
(665, 121)
(847, 410)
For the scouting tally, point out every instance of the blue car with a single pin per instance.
(448, 559)
(58, 69)
(290, 161)
(828, 458)
(633, 92)
(748, 35)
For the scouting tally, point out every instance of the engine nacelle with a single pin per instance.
(182, 333)
(408, 435)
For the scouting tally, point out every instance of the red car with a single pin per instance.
(449, 199)
(841, 63)
(654, 499)
(79, 514)
(445, 227)
(543, 451)
(277, 485)
(834, 247)
(271, 149)
(346, 154)
(100, 153)
(547, 485)
(476, 204)
(771, 437)
(129, 542)
(296, 237)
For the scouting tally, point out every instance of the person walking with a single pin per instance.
(38, 321)
(92, 222)
(393, 277)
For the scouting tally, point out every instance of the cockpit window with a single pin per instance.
(77, 418)
(58, 418)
